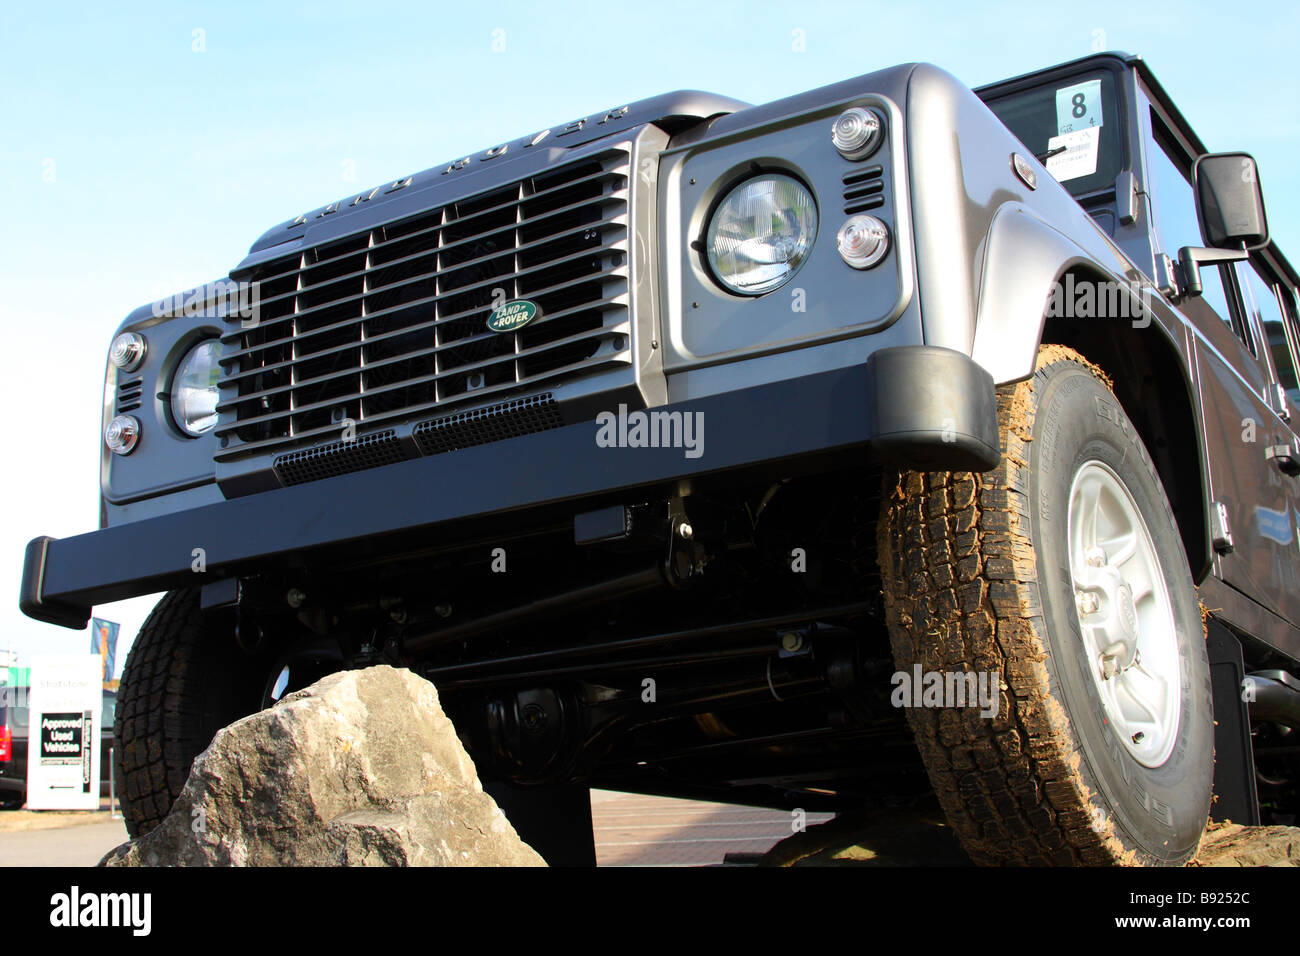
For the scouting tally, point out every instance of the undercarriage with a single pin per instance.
(728, 642)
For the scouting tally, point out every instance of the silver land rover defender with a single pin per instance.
(885, 443)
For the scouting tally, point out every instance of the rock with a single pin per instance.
(1230, 844)
(361, 769)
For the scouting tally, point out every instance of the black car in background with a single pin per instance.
(13, 748)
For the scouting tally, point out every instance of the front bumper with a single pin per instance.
(919, 407)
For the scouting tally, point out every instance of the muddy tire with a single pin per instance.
(184, 680)
(982, 572)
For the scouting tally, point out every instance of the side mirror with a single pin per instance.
(1230, 210)
(1229, 201)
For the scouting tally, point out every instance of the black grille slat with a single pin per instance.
(381, 250)
(391, 322)
(534, 353)
(864, 189)
(873, 202)
(480, 426)
(381, 261)
(129, 396)
(339, 458)
(371, 339)
(870, 189)
(613, 249)
(405, 413)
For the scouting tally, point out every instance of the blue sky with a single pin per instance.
(143, 151)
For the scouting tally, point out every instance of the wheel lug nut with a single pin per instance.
(1137, 737)
(1095, 557)
(1088, 602)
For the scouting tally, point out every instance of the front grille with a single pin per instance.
(479, 426)
(338, 458)
(391, 322)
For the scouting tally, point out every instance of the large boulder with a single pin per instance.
(361, 769)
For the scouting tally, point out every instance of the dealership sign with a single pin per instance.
(63, 732)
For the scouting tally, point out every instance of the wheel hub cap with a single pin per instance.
(1125, 614)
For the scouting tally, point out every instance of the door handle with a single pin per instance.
(1286, 457)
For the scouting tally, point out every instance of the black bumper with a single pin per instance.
(916, 406)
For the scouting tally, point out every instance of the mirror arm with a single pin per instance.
(1191, 258)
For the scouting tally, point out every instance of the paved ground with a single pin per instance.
(58, 837)
(81, 844)
(631, 830)
(634, 830)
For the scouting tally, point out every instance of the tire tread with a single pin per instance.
(961, 592)
(164, 715)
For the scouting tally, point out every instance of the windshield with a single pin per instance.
(1072, 126)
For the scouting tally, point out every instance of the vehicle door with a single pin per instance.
(1269, 303)
(1233, 387)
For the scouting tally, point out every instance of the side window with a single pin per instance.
(1176, 225)
(1262, 300)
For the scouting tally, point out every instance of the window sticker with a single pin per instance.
(1079, 107)
(1080, 154)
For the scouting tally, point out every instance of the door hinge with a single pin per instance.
(1220, 531)
(1126, 198)
(1276, 396)
(1166, 278)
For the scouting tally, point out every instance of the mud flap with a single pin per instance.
(1235, 797)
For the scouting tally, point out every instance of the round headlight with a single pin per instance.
(761, 233)
(194, 388)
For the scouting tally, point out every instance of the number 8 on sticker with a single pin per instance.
(1078, 107)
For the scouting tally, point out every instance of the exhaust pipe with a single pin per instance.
(592, 595)
(1276, 698)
